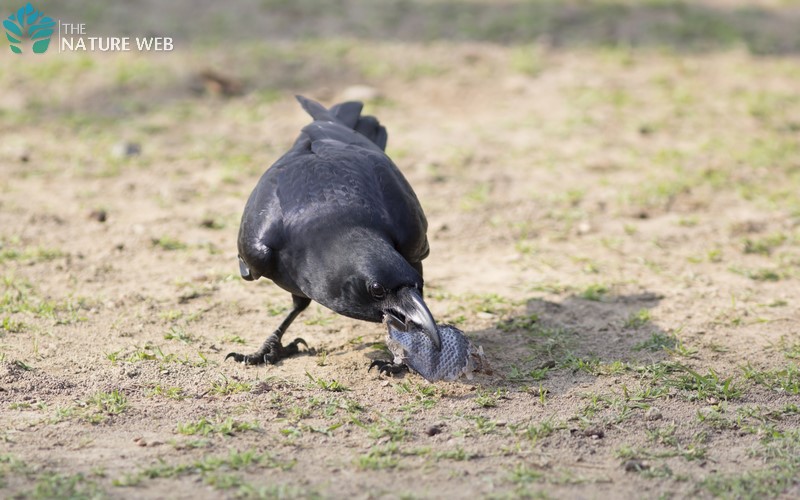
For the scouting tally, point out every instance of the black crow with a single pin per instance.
(335, 221)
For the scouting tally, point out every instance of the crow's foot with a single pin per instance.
(271, 352)
(388, 367)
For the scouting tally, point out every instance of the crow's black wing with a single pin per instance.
(368, 187)
(334, 177)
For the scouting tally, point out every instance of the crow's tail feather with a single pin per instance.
(348, 114)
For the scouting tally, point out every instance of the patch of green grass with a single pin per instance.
(113, 356)
(22, 365)
(204, 427)
(481, 425)
(526, 322)
(216, 471)
(333, 385)
(781, 450)
(762, 483)
(661, 193)
(11, 325)
(394, 429)
(714, 255)
(63, 413)
(761, 274)
(702, 387)
(522, 474)
(490, 303)
(425, 396)
(178, 333)
(297, 412)
(29, 255)
(276, 310)
(681, 349)
(458, 454)
(97, 408)
(379, 458)
(595, 292)
(151, 352)
(543, 429)
(791, 351)
(235, 339)
(326, 407)
(596, 403)
(611, 368)
(327, 430)
(578, 364)
(549, 343)
(11, 465)
(51, 485)
(171, 315)
(111, 403)
(784, 380)
(516, 374)
(658, 341)
(765, 245)
(589, 266)
(658, 372)
(320, 319)
(176, 393)
(716, 418)
(690, 452)
(19, 296)
(224, 386)
(224, 480)
(663, 435)
(485, 399)
(638, 319)
(527, 60)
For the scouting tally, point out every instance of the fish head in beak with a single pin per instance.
(407, 312)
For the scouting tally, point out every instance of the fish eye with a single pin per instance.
(377, 290)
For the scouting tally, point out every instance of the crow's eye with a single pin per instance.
(377, 290)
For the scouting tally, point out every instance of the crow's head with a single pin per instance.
(374, 282)
(393, 293)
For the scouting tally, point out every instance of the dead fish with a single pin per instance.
(458, 356)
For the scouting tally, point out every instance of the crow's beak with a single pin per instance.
(409, 313)
(245, 271)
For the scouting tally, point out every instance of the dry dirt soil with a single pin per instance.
(613, 191)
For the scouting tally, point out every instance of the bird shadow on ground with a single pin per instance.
(576, 337)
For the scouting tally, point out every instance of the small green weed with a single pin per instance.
(333, 385)
(204, 427)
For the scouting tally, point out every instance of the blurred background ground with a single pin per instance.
(612, 191)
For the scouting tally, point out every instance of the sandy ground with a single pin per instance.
(617, 226)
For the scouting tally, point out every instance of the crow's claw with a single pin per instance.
(388, 367)
(271, 352)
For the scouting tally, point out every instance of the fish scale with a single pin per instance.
(458, 356)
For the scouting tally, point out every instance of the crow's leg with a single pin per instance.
(272, 351)
(388, 367)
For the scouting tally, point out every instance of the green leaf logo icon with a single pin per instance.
(29, 24)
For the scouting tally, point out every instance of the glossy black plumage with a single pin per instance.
(333, 217)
